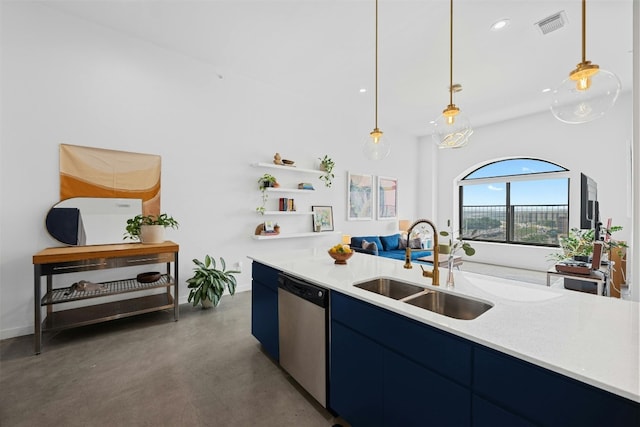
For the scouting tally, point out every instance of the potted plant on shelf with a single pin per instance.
(208, 282)
(264, 182)
(149, 228)
(327, 165)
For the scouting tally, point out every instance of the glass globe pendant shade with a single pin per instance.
(376, 147)
(587, 94)
(452, 129)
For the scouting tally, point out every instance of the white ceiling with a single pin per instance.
(324, 49)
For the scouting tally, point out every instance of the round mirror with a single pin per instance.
(91, 220)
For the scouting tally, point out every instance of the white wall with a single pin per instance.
(600, 149)
(65, 80)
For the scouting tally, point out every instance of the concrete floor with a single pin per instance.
(204, 370)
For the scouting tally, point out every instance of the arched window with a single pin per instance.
(521, 201)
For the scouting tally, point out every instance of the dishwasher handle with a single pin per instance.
(307, 291)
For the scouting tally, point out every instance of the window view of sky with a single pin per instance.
(535, 192)
(514, 167)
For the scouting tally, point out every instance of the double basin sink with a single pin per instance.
(446, 304)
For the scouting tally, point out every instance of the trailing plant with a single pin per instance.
(264, 182)
(327, 165)
(135, 224)
(209, 282)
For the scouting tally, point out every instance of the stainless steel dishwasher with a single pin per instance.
(302, 323)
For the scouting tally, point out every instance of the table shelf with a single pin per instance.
(62, 295)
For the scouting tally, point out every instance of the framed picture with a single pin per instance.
(359, 197)
(387, 198)
(322, 218)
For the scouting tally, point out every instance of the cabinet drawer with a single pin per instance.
(268, 276)
(427, 346)
(546, 397)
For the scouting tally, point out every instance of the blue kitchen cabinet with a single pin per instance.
(546, 397)
(355, 379)
(264, 307)
(387, 370)
(416, 396)
(486, 414)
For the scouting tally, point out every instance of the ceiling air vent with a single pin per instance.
(552, 23)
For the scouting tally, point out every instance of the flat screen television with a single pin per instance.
(589, 208)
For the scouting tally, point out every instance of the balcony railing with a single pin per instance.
(525, 224)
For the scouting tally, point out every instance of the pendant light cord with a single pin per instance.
(584, 32)
(376, 127)
(451, 54)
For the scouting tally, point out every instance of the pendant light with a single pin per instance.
(589, 91)
(451, 129)
(376, 147)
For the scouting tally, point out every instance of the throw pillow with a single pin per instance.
(390, 243)
(413, 243)
(370, 246)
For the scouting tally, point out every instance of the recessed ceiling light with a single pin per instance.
(501, 24)
(545, 90)
(363, 90)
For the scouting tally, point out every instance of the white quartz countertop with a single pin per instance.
(583, 336)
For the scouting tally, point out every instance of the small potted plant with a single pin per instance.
(264, 182)
(208, 282)
(327, 165)
(149, 228)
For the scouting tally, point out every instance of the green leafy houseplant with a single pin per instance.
(208, 282)
(134, 225)
(264, 182)
(327, 165)
(578, 244)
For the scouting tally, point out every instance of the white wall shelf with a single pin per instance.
(292, 235)
(288, 213)
(287, 168)
(287, 190)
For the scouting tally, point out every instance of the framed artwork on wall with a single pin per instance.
(387, 198)
(322, 218)
(359, 197)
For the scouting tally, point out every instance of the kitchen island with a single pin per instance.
(538, 356)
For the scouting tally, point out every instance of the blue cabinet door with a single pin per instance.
(264, 308)
(416, 396)
(355, 377)
(486, 414)
(545, 397)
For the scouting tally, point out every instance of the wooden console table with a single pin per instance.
(63, 260)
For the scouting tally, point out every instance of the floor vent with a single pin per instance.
(552, 23)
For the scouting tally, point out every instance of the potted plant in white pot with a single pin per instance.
(149, 228)
(208, 282)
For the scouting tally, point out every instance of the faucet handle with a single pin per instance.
(426, 273)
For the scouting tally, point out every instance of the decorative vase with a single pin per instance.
(450, 281)
(151, 234)
(206, 303)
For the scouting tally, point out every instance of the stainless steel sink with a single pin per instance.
(450, 305)
(389, 287)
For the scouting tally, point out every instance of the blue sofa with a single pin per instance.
(392, 246)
